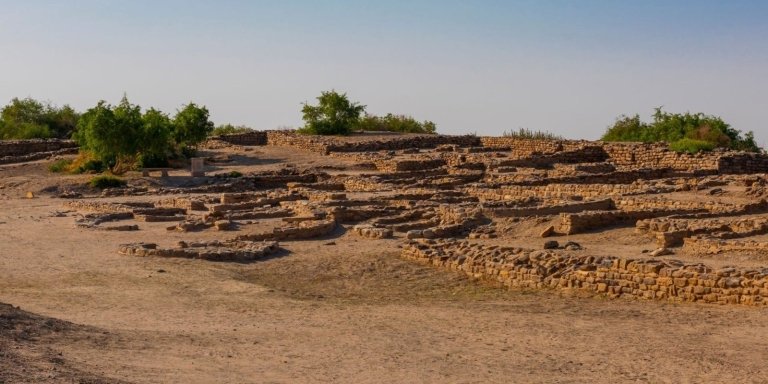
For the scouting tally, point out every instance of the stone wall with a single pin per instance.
(19, 151)
(328, 144)
(667, 280)
(409, 165)
(213, 251)
(26, 147)
(550, 209)
(741, 163)
(249, 138)
(707, 245)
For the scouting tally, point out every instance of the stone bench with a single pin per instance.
(163, 171)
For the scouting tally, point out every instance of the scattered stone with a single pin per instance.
(551, 244)
(223, 225)
(548, 231)
(573, 246)
(661, 252)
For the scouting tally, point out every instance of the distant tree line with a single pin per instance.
(685, 132)
(335, 114)
(117, 137)
(32, 119)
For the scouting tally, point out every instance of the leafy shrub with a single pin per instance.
(32, 119)
(229, 129)
(673, 127)
(334, 115)
(85, 162)
(191, 125)
(691, 146)
(234, 174)
(121, 137)
(395, 123)
(106, 181)
(60, 166)
(524, 133)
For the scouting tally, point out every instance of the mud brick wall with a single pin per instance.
(633, 204)
(189, 204)
(655, 155)
(671, 232)
(571, 223)
(553, 209)
(317, 144)
(103, 207)
(26, 147)
(618, 177)
(403, 142)
(249, 138)
(707, 245)
(365, 184)
(562, 191)
(740, 163)
(328, 144)
(585, 154)
(666, 280)
(395, 165)
(214, 251)
(526, 147)
(303, 230)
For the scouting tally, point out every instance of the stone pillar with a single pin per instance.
(198, 169)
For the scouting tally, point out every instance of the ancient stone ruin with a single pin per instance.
(518, 213)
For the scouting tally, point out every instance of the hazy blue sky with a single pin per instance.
(569, 67)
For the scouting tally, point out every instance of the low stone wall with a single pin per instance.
(371, 232)
(37, 156)
(189, 204)
(408, 165)
(559, 191)
(306, 229)
(26, 147)
(707, 245)
(572, 223)
(666, 280)
(585, 154)
(553, 209)
(328, 144)
(637, 155)
(671, 232)
(213, 251)
(248, 138)
(743, 163)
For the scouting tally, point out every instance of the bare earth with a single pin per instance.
(337, 309)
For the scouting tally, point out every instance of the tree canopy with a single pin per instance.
(123, 135)
(688, 132)
(32, 119)
(333, 115)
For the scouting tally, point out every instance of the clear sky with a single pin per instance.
(569, 67)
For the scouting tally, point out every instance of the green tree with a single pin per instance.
(334, 114)
(155, 143)
(24, 119)
(29, 118)
(112, 134)
(98, 133)
(191, 126)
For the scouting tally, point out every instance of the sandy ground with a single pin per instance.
(338, 309)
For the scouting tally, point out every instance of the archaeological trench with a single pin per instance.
(456, 203)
